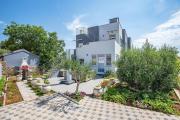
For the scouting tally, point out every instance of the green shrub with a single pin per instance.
(118, 98)
(46, 81)
(113, 95)
(160, 105)
(78, 96)
(36, 90)
(149, 69)
(158, 101)
(92, 74)
(112, 91)
(109, 73)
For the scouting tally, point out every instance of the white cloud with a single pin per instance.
(165, 33)
(76, 23)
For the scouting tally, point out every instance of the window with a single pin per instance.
(112, 36)
(81, 61)
(108, 59)
(93, 59)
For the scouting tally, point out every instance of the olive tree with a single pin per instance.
(148, 68)
(79, 71)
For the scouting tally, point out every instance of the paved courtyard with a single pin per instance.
(86, 87)
(56, 107)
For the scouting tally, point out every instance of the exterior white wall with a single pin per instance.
(105, 29)
(99, 47)
(117, 50)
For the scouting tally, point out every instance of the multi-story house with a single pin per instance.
(101, 45)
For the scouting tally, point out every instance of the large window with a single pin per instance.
(108, 59)
(93, 59)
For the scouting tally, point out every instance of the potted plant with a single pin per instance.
(97, 91)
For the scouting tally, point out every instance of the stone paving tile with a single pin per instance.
(55, 107)
(26, 91)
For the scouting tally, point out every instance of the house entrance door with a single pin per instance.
(101, 63)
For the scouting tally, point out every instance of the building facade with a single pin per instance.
(101, 45)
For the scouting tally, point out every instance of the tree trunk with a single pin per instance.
(77, 86)
(77, 82)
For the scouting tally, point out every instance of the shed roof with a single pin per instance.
(17, 51)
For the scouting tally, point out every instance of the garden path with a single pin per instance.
(26, 91)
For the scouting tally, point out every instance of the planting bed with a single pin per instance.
(162, 102)
(13, 94)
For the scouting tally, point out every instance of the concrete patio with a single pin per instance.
(86, 87)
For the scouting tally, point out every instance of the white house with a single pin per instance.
(101, 45)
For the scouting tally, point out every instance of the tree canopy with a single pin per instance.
(3, 51)
(34, 39)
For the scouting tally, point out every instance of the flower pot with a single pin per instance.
(97, 91)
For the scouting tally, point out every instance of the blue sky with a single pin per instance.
(141, 18)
